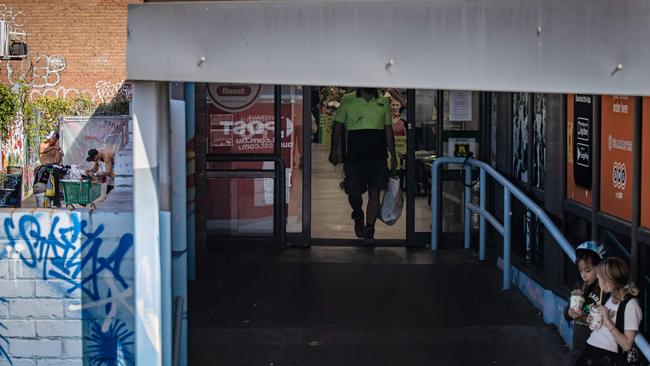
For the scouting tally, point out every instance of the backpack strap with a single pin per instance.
(620, 317)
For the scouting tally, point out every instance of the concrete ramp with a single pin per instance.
(358, 306)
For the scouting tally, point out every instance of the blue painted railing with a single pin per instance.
(505, 229)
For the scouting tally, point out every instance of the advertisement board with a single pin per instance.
(240, 120)
(645, 164)
(579, 156)
(616, 175)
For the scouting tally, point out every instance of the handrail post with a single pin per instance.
(482, 202)
(468, 200)
(507, 234)
(434, 206)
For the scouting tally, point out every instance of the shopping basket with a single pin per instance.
(80, 192)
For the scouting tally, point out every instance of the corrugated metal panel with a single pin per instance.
(502, 45)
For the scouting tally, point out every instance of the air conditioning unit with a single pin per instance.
(13, 45)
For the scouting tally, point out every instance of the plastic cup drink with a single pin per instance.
(596, 314)
(576, 302)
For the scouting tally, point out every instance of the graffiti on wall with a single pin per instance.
(14, 18)
(39, 70)
(4, 342)
(539, 141)
(520, 136)
(78, 257)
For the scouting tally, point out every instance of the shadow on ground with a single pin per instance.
(357, 306)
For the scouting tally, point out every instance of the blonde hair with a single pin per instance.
(616, 271)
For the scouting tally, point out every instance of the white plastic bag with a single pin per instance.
(74, 173)
(391, 203)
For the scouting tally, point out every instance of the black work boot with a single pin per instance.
(369, 237)
(359, 228)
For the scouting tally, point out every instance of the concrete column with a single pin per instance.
(150, 111)
(179, 217)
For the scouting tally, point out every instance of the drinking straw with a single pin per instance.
(600, 300)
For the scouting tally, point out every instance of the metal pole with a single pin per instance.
(482, 203)
(434, 207)
(281, 183)
(411, 145)
(595, 168)
(636, 190)
(506, 238)
(468, 200)
(306, 164)
(178, 330)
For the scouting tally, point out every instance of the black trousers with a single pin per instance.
(593, 356)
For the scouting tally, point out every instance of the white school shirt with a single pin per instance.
(602, 338)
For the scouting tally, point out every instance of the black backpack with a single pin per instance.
(632, 357)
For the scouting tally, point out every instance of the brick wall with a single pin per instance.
(66, 282)
(75, 46)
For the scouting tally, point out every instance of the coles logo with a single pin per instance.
(234, 97)
(619, 175)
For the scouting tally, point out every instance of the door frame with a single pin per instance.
(412, 238)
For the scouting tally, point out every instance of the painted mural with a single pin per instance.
(539, 140)
(520, 120)
(77, 260)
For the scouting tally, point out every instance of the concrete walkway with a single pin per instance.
(357, 306)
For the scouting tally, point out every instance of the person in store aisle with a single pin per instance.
(367, 117)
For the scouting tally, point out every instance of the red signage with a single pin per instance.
(616, 175)
(241, 121)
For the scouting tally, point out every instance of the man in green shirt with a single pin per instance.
(367, 118)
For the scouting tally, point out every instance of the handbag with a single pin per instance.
(632, 357)
(50, 190)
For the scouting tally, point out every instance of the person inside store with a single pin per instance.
(50, 156)
(103, 163)
(366, 115)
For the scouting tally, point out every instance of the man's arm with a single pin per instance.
(336, 156)
(390, 141)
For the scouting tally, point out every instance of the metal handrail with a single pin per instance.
(509, 189)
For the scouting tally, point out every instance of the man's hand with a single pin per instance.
(335, 156)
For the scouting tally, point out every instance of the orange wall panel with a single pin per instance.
(616, 175)
(645, 165)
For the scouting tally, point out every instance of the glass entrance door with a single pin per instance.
(253, 169)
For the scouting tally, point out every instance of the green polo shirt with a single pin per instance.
(359, 114)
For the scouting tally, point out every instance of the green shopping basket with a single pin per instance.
(80, 192)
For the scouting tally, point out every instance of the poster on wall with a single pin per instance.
(582, 140)
(241, 120)
(645, 164)
(460, 105)
(616, 175)
(578, 189)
